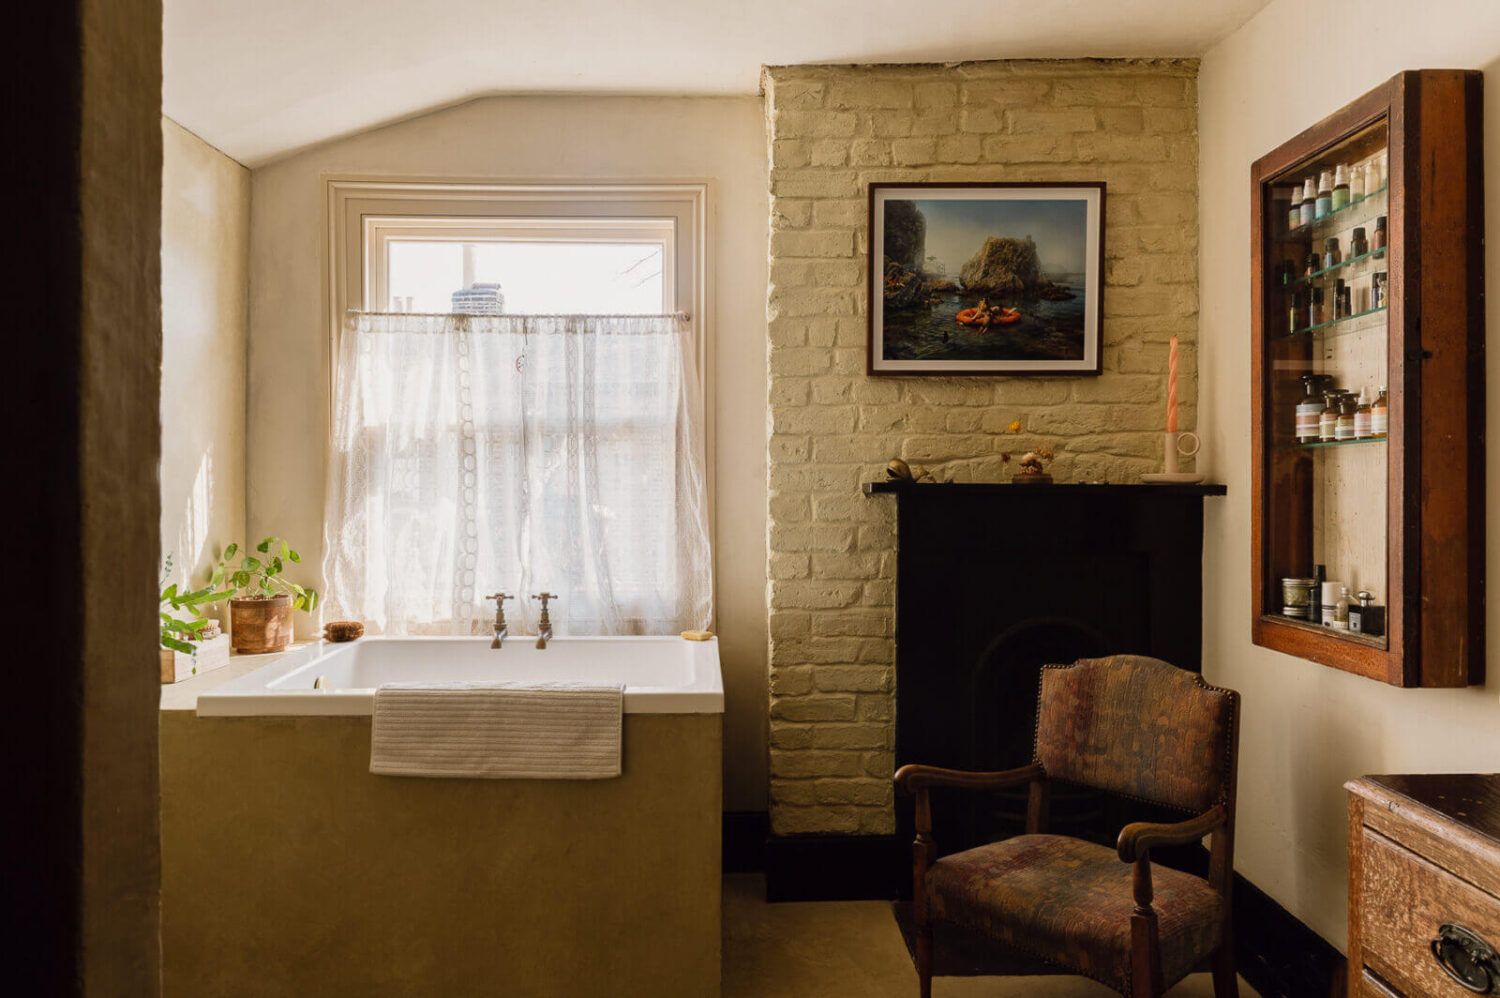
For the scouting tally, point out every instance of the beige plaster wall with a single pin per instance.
(205, 272)
(534, 138)
(1308, 728)
(834, 130)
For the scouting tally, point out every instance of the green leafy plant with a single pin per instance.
(260, 577)
(181, 621)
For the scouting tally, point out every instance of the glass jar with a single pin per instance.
(1362, 417)
(1328, 419)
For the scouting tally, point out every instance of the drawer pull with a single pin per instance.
(1467, 958)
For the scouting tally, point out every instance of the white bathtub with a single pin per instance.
(662, 675)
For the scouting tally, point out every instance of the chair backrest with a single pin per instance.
(1138, 726)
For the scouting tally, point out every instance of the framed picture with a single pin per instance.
(986, 278)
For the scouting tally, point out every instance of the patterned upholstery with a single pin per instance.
(1069, 902)
(1138, 726)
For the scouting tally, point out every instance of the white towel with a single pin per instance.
(497, 731)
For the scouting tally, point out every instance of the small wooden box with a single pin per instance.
(212, 654)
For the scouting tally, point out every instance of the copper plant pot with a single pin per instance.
(260, 625)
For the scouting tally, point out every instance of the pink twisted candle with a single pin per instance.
(1172, 387)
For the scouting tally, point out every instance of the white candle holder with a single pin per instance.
(1184, 444)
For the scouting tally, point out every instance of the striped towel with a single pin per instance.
(497, 731)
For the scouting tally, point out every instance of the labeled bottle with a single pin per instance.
(1344, 428)
(1377, 290)
(1311, 265)
(1341, 609)
(1340, 187)
(1367, 618)
(1380, 415)
(1356, 183)
(1294, 211)
(1358, 244)
(1331, 256)
(1340, 300)
(1362, 417)
(1379, 243)
(1315, 307)
(1324, 203)
(1309, 408)
(1298, 311)
(1309, 200)
(1328, 419)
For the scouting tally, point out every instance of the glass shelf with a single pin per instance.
(1352, 214)
(1338, 327)
(1337, 443)
(1362, 258)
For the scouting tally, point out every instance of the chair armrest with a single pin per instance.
(911, 778)
(1139, 838)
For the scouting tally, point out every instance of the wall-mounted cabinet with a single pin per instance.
(1368, 386)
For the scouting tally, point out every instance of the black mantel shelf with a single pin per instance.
(979, 488)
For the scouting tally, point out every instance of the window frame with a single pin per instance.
(350, 200)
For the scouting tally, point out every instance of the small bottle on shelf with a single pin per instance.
(1309, 409)
(1340, 299)
(1315, 307)
(1340, 187)
(1367, 618)
(1356, 183)
(1311, 265)
(1298, 311)
(1331, 255)
(1380, 415)
(1328, 419)
(1324, 203)
(1358, 244)
(1377, 290)
(1362, 417)
(1379, 243)
(1294, 210)
(1344, 428)
(1341, 609)
(1309, 200)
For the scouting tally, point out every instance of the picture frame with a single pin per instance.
(1031, 254)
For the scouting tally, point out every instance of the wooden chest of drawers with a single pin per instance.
(1424, 886)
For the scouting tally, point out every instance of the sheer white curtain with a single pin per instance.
(472, 454)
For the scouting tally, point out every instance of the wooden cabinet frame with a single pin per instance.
(1435, 502)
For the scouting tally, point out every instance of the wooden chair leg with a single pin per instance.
(924, 961)
(1226, 983)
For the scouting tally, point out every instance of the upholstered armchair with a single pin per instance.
(1132, 726)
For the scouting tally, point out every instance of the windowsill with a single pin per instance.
(184, 695)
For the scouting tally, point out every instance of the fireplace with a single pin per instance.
(995, 581)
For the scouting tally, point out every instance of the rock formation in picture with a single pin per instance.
(1008, 267)
(905, 249)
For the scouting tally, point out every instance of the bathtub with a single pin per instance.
(662, 675)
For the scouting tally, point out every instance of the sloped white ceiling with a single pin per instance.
(258, 78)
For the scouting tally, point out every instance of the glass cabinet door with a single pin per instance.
(1327, 417)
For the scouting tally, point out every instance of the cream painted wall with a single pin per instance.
(536, 138)
(205, 250)
(1308, 728)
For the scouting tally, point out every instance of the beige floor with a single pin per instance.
(851, 949)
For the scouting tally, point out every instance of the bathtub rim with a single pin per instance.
(250, 695)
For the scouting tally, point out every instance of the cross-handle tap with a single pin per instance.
(500, 628)
(544, 626)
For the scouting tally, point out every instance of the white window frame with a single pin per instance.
(379, 232)
(596, 205)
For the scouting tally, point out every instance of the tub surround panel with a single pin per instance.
(833, 130)
(290, 869)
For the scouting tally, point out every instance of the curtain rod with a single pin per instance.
(686, 316)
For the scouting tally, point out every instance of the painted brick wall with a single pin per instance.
(831, 552)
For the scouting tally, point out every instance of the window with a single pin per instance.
(559, 450)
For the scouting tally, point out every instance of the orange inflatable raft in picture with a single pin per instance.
(971, 317)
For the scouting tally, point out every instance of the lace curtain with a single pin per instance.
(473, 454)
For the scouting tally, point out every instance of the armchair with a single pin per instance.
(1126, 724)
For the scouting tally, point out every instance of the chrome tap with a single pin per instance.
(544, 626)
(499, 626)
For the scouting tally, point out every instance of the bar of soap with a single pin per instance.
(698, 635)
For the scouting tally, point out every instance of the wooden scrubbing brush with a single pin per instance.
(343, 630)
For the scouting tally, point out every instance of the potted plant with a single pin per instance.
(180, 631)
(261, 615)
